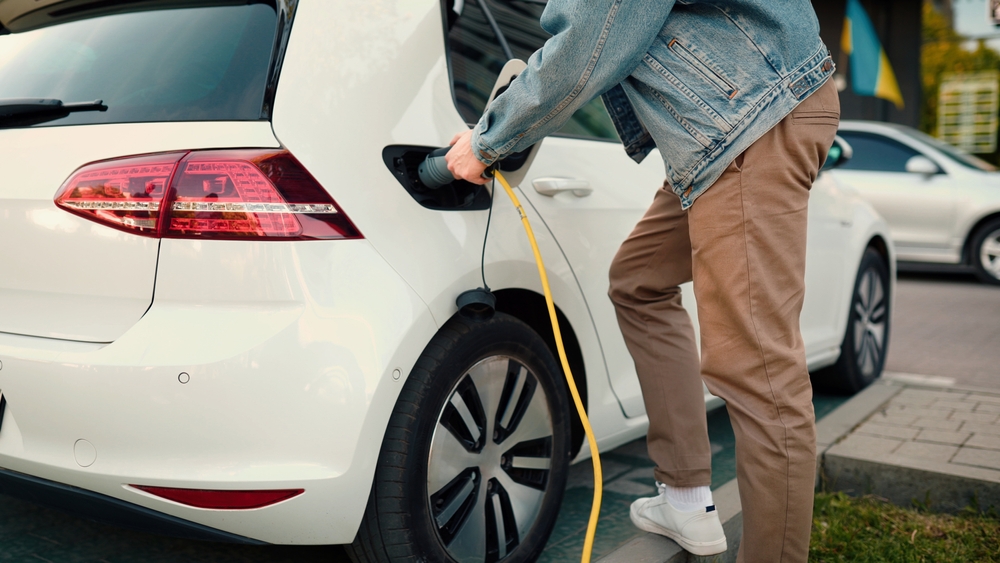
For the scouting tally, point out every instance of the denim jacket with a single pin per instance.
(700, 79)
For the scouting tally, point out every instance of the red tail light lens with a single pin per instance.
(222, 500)
(251, 194)
(234, 194)
(125, 194)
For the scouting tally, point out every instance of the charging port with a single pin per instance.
(403, 160)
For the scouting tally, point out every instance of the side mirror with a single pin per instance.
(840, 153)
(920, 164)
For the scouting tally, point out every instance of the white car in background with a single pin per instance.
(942, 205)
(228, 306)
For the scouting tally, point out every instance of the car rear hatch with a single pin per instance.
(151, 77)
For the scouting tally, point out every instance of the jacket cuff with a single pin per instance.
(481, 150)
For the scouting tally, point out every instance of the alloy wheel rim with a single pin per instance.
(989, 254)
(871, 319)
(489, 461)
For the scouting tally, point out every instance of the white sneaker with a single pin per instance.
(699, 531)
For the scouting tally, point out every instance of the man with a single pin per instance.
(735, 94)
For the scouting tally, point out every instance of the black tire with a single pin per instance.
(984, 252)
(441, 403)
(866, 339)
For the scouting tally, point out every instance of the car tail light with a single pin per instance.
(222, 500)
(126, 194)
(232, 194)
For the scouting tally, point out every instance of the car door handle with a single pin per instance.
(552, 186)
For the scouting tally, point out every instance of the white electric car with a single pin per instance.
(942, 205)
(228, 305)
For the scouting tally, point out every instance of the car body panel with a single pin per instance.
(64, 276)
(238, 422)
(829, 278)
(621, 193)
(926, 221)
(437, 252)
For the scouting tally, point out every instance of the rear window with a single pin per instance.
(195, 64)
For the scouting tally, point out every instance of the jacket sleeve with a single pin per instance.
(595, 45)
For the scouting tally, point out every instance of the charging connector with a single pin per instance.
(433, 171)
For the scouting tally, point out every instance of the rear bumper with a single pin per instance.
(288, 351)
(109, 510)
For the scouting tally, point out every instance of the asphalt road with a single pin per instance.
(946, 326)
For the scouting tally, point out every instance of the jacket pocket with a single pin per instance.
(692, 111)
(711, 75)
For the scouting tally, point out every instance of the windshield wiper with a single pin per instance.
(22, 112)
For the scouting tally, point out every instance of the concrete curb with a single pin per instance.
(865, 464)
(904, 481)
(849, 415)
(651, 548)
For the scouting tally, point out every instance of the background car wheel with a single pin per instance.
(863, 350)
(985, 250)
(475, 457)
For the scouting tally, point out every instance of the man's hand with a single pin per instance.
(462, 163)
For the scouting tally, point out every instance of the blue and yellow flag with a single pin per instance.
(871, 73)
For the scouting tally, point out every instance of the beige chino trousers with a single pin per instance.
(743, 242)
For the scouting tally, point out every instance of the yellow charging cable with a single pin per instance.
(595, 510)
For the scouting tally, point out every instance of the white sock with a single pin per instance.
(687, 499)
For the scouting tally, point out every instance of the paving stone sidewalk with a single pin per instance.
(934, 447)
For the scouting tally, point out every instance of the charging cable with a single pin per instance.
(595, 510)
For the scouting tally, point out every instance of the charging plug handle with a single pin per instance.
(434, 173)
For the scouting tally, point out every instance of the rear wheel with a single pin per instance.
(863, 350)
(475, 458)
(985, 250)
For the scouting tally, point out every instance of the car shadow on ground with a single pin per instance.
(930, 273)
(33, 533)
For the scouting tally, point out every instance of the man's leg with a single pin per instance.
(748, 234)
(645, 274)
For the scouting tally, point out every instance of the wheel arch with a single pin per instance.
(971, 233)
(879, 242)
(530, 308)
(881, 246)
(836, 376)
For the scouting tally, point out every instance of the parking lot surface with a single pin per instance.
(946, 325)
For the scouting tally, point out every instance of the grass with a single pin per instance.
(871, 530)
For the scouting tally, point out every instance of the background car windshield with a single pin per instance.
(954, 153)
(195, 64)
